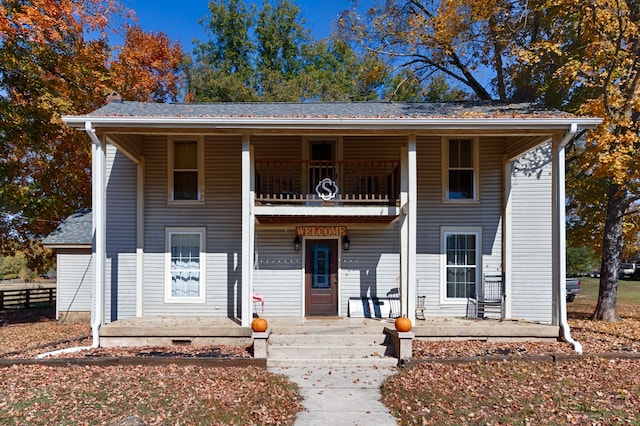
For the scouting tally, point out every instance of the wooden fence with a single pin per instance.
(27, 298)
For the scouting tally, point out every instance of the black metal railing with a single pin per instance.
(344, 182)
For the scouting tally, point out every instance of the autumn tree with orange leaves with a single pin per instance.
(55, 59)
(601, 72)
(579, 56)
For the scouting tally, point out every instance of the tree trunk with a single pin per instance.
(611, 255)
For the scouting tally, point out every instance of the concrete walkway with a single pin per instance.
(340, 394)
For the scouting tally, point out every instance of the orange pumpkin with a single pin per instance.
(259, 325)
(403, 324)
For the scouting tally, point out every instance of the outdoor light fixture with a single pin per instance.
(297, 243)
(346, 243)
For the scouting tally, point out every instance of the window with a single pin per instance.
(461, 254)
(186, 170)
(185, 265)
(461, 165)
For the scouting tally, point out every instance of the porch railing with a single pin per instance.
(349, 181)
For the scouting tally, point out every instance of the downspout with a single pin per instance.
(565, 331)
(98, 169)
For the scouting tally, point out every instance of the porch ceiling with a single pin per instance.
(293, 219)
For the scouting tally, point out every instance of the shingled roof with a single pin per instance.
(328, 110)
(76, 230)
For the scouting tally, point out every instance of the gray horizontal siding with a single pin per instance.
(369, 269)
(277, 147)
(74, 281)
(433, 214)
(372, 148)
(120, 284)
(372, 267)
(277, 273)
(531, 232)
(220, 215)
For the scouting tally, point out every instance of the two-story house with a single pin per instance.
(199, 207)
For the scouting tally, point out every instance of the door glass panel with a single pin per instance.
(321, 274)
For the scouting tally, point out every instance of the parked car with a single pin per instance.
(627, 270)
(574, 285)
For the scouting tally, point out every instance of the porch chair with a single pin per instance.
(394, 302)
(420, 307)
(490, 295)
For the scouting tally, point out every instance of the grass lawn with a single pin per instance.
(628, 290)
(585, 391)
(158, 395)
(167, 395)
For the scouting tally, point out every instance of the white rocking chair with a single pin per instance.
(491, 295)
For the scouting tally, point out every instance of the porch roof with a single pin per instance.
(331, 115)
(74, 232)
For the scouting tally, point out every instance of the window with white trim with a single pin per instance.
(461, 254)
(186, 169)
(461, 169)
(185, 265)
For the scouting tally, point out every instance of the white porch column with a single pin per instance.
(248, 230)
(99, 213)
(507, 240)
(559, 246)
(408, 221)
(140, 238)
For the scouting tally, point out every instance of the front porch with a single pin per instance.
(164, 331)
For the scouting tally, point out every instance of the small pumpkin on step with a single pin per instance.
(259, 325)
(403, 324)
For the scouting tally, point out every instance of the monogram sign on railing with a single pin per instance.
(327, 189)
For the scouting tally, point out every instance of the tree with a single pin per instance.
(45, 63)
(581, 57)
(598, 47)
(280, 42)
(466, 41)
(269, 55)
(222, 69)
(334, 72)
(147, 68)
(580, 260)
(49, 66)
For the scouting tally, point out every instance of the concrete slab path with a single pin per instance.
(341, 394)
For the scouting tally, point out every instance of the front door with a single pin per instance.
(321, 277)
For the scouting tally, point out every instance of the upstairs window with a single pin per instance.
(186, 170)
(461, 162)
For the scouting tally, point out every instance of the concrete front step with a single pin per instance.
(325, 352)
(327, 346)
(341, 340)
(311, 362)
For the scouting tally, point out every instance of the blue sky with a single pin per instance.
(179, 19)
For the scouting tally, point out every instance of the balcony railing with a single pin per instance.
(328, 182)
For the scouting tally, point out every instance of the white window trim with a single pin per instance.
(168, 298)
(445, 170)
(170, 162)
(449, 230)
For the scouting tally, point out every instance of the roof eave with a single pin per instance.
(66, 246)
(252, 123)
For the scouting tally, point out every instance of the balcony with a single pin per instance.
(327, 183)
